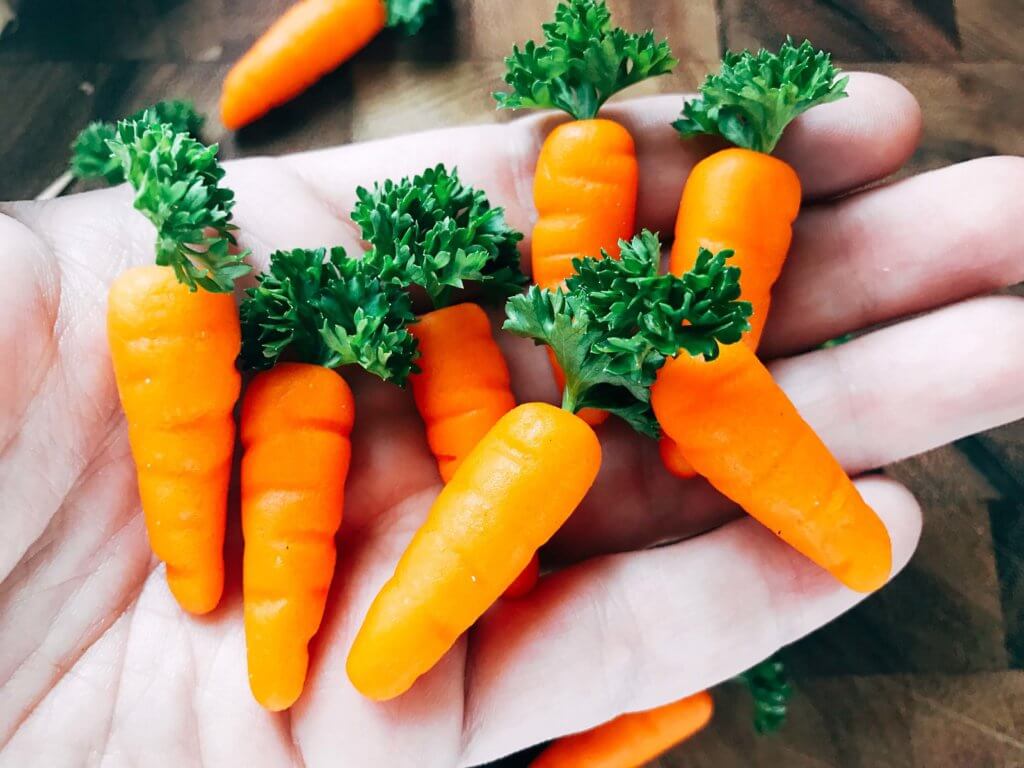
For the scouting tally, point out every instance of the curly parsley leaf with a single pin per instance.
(327, 309)
(649, 316)
(409, 15)
(583, 61)
(177, 187)
(770, 687)
(562, 323)
(435, 232)
(756, 95)
(619, 321)
(91, 158)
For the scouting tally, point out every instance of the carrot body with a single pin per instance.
(740, 431)
(585, 191)
(296, 422)
(463, 386)
(309, 40)
(631, 740)
(513, 491)
(174, 361)
(746, 201)
(525, 581)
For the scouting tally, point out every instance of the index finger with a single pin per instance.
(834, 148)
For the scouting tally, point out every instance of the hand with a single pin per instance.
(96, 658)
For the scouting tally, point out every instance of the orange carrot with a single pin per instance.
(743, 198)
(173, 334)
(462, 387)
(312, 38)
(586, 181)
(296, 422)
(525, 581)
(522, 480)
(476, 540)
(413, 226)
(741, 432)
(174, 360)
(631, 740)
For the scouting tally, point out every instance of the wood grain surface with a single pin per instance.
(928, 674)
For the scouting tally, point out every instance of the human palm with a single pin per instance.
(97, 662)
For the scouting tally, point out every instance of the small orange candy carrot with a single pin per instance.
(525, 581)
(741, 197)
(631, 740)
(586, 181)
(413, 227)
(740, 431)
(174, 336)
(312, 38)
(296, 421)
(476, 540)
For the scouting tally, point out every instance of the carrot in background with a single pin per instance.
(527, 475)
(296, 421)
(312, 38)
(743, 198)
(173, 334)
(586, 181)
(434, 233)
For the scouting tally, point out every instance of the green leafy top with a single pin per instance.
(408, 14)
(91, 158)
(769, 685)
(177, 187)
(582, 63)
(330, 312)
(619, 320)
(435, 232)
(756, 95)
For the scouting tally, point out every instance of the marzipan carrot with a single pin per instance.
(630, 740)
(174, 336)
(585, 185)
(517, 486)
(436, 234)
(743, 198)
(739, 430)
(296, 421)
(312, 38)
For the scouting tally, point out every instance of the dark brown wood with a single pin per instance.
(926, 675)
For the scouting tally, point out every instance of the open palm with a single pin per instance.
(99, 665)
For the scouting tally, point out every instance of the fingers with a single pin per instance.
(883, 397)
(634, 631)
(835, 148)
(921, 243)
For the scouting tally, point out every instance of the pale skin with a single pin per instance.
(98, 665)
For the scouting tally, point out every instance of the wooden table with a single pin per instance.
(929, 673)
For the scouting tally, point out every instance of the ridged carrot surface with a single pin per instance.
(296, 422)
(511, 494)
(631, 740)
(740, 431)
(312, 38)
(745, 201)
(463, 387)
(585, 191)
(174, 360)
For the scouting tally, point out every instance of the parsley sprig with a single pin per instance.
(177, 187)
(327, 309)
(618, 321)
(583, 61)
(91, 158)
(770, 687)
(756, 95)
(408, 15)
(433, 231)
